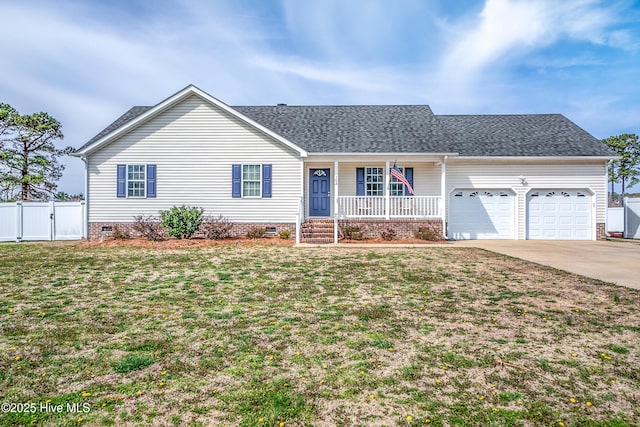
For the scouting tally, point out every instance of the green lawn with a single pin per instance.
(266, 335)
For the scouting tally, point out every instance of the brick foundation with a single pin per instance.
(404, 228)
(601, 231)
(105, 230)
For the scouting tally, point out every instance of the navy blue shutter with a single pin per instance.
(408, 173)
(266, 180)
(151, 180)
(359, 181)
(236, 181)
(121, 184)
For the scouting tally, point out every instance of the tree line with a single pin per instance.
(29, 166)
(626, 169)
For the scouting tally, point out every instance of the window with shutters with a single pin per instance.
(251, 181)
(136, 181)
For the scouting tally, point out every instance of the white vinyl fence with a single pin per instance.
(41, 221)
(632, 218)
(615, 220)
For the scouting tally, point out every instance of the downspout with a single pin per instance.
(85, 231)
(443, 189)
(335, 201)
(300, 214)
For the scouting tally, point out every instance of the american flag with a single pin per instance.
(397, 174)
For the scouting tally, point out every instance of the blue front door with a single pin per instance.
(319, 202)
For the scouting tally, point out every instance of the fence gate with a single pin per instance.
(42, 221)
(632, 218)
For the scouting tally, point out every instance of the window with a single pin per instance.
(251, 181)
(135, 180)
(396, 187)
(374, 181)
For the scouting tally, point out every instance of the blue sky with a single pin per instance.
(86, 62)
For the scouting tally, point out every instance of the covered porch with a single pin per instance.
(364, 189)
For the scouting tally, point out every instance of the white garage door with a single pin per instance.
(481, 214)
(559, 214)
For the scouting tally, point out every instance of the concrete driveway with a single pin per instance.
(616, 262)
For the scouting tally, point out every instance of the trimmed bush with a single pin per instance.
(256, 233)
(388, 234)
(352, 232)
(285, 234)
(428, 233)
(149, 227)
(118, 234)
(216, 228)
(182, 222)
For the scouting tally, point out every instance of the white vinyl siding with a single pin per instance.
(194, 145)
(589, 175)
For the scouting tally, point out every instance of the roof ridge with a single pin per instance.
(499, 115)
(333, 105)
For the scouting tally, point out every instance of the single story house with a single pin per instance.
(311, 168)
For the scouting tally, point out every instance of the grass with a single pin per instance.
(258, 336)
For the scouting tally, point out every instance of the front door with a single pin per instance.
(319, 201)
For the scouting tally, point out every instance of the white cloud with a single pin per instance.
(508, 29)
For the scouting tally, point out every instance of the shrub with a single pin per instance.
(284, 234)
(119, 234)
(149, 227)
(428, 233)
(256, 232)
(216, 228)
(388, 234)
(133, 363)
(352, 231)
(182, 221)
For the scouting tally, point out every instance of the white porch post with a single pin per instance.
(443, 194)
(387, 191)
(335, 202)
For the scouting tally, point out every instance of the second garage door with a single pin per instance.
(481, 214)
(559, 215)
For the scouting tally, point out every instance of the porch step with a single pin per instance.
(317, 231)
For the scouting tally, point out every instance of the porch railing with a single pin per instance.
(399, 207)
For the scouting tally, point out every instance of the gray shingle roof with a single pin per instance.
(353, 129)
(413, 129)
(131, 114)
(520, 135)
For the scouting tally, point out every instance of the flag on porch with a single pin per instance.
(397, 174)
